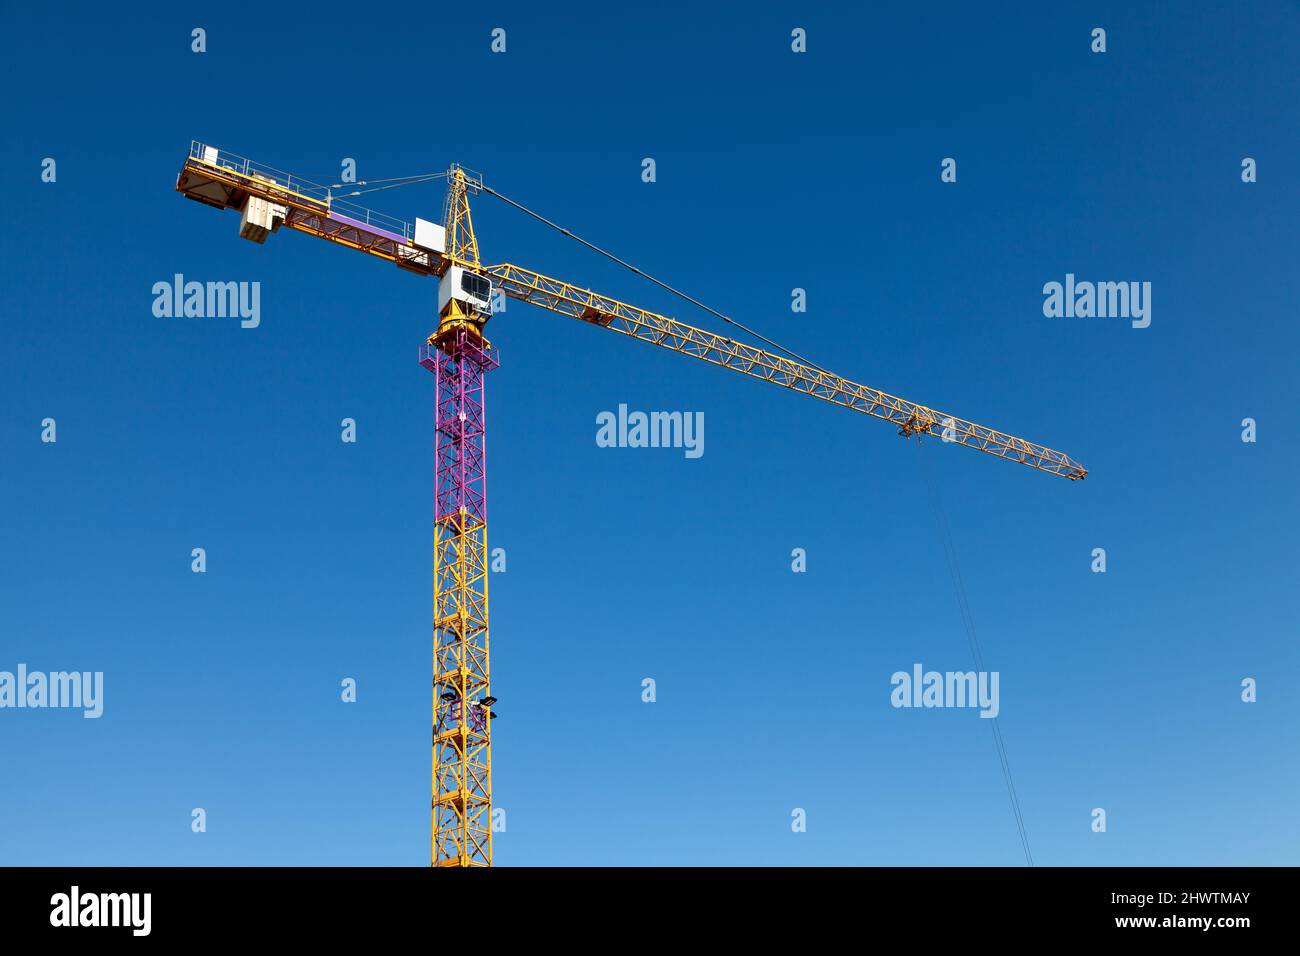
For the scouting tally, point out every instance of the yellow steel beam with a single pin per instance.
(227, 188)
(911, 418)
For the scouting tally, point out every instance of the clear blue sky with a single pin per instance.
(775, 170)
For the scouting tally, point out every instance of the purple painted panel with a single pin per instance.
(365, 227)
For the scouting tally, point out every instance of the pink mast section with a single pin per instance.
(459, 365)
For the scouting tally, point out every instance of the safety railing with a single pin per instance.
(223, 159)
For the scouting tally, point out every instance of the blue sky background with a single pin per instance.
(775, 170)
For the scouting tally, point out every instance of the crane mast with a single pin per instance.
(460, 356)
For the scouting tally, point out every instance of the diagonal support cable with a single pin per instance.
(663, 285)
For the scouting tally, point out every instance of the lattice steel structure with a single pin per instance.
(911, 418)
(460, 357)
(462, 755)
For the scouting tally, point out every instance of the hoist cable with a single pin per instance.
(968, 621)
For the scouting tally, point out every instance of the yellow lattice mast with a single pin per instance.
(460, 357)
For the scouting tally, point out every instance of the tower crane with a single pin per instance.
(459, 355)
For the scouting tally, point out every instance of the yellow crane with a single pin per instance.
(459, 355)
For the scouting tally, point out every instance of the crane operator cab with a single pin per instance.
(471, 291)
(463, 294)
